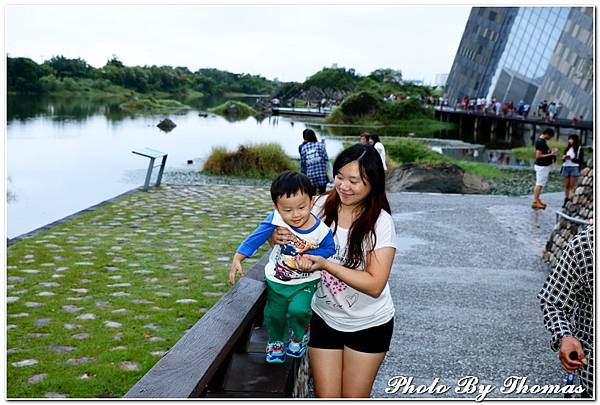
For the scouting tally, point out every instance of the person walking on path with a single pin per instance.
(376, 142)
(364, 138)
(572, 162)
(567, 302)
(313, 160)
(353, 311)
(543, 161)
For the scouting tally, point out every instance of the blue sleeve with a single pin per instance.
(258, 237)
(326, 247)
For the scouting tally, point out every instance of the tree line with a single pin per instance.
(60, 73)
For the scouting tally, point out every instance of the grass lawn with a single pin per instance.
(95, 302)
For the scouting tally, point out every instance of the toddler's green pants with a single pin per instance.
(288, 303)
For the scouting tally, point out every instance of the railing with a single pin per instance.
(579, 221)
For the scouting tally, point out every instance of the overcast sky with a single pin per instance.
(285, 42)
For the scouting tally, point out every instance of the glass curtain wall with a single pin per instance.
(532, 40)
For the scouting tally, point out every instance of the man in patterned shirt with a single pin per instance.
(567, 301)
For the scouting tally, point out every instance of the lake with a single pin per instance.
(65, 155)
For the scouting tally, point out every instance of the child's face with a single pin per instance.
(295, 209)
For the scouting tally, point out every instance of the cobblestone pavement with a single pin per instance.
(464, 282)
(95, 300)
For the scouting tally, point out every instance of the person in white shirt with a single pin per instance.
(376, 143)
(571, 164)
(353, 311)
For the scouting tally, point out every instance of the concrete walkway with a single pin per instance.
(465, 281)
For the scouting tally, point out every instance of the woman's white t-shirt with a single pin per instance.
(570, 162)
(379, 147)
(342, 307)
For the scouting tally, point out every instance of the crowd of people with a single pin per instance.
(546, 111)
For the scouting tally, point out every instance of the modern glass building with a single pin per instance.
(569, 77)
(481, 46)
(529, 59)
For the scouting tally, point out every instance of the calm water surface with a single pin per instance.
(64, 156)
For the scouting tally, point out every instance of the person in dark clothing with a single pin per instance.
(543, 161)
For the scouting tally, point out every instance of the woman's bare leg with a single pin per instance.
(326, 368)
(359, 372)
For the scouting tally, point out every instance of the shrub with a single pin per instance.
(412, 151)
(260, 160)
(70, 84)
(49, 84)
(233, 109)
(362, 103)
(404, 110)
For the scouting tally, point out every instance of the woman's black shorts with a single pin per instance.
(372, 340)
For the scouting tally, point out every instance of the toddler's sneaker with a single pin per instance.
(275, 353)
(296, 348)
(306, 336)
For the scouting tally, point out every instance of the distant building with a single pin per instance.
(440, 79)
(569, 77)
(481, 46)
(527, 53)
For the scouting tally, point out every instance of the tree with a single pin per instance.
(333, 78)
(23, 75)
(74, 68)
(386, 75)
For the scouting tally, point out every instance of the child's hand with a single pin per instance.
(236, 268)
(303, 264)
(316, 262)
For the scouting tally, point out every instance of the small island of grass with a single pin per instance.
(263, 161)
(233, 110)
(152, 105)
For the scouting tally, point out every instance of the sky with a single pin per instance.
(289, 43)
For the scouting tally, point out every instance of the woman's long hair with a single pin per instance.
(575, 145)
(309, 135)
(363, 229)
(375, 138)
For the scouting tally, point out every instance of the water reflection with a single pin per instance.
(66, 155)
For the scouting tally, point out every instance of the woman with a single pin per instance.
(313, 160)
(353, 312)
(572, 162)
(374, 140)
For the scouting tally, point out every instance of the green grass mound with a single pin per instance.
(261, 160)
(412, 151)
(233, 110)
(153, 105)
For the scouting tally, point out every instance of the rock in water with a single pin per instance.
(166, 125)
(442, 179)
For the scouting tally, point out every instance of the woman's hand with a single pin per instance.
(317, 262)
(280, 236)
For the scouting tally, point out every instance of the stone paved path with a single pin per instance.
(464, 283)
(95, 301)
